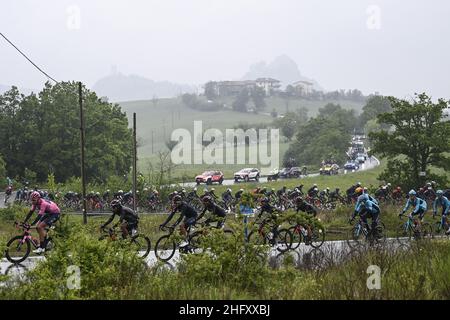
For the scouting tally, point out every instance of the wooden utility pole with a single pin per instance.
(83, 171)
(152, 141)
(134, 162)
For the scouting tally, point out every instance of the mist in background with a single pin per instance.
(393, 47)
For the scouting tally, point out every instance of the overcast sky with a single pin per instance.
(395, 47)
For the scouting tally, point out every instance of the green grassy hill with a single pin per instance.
(166, 115)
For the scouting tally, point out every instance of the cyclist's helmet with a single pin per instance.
(399, 189)
(358, 184)
(206, 199)
(145, 189)
(412, 192)
(177, 199)
(358, 190)
(115, 204)
(120, 191)
(35, 195)
(439, 193)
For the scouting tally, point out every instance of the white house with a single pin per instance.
(269, 85)
(303, 87)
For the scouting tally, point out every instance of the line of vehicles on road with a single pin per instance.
(250, 174)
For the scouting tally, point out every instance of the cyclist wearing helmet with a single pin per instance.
(227, 196)
(186, 211)
(397, 194)
(106, 195)
(364, 208)
(212, 194)
(335, 195)
(266, 207)
(218, 213)
(304, 206)
(312, 192)
(128, 219)
(238, 194)
(419, 205)
(443, 201)
(48, 214)
(351, 192)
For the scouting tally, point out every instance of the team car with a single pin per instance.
(209, 177)
(351, 165)
(247, 174)
(329, 169)
(293, 172)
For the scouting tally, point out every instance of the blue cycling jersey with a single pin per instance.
(364, 202)
(417, 203)
(444, 202)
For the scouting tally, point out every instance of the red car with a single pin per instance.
(209, 177)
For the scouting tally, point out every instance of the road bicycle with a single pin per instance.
(140, 243)
(361, 231)
(441, 226)
(167, 244)
(308, 233)
(275, 237)
(18, 248)
(412, 229)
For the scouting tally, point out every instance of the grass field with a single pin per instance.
(160, 119)
(170, 114)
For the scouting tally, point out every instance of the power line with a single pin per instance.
(23, 54)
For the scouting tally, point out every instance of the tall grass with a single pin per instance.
(229, 269)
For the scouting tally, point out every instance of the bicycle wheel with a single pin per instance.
(438, 230)
(165, 248)
(317, 237)
(426, 231)
(16, 250)
(141, 244)
(378, 236)
(354, 236)
(284, 240)
(296, 237)
(404, 235)
(195, 242)
(256, 238)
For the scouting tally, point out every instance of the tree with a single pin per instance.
(418, 141)
(210, 90)
(325, 136)
(2, 169)
(43, 134)
(375, 105)
(240, 104)
(258, 98)
(288, 124)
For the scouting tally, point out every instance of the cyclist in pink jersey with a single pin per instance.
(48, 214)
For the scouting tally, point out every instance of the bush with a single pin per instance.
(12, 213)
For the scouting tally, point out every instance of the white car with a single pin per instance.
(247, 174)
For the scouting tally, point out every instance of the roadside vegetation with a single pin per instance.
(229, 269)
